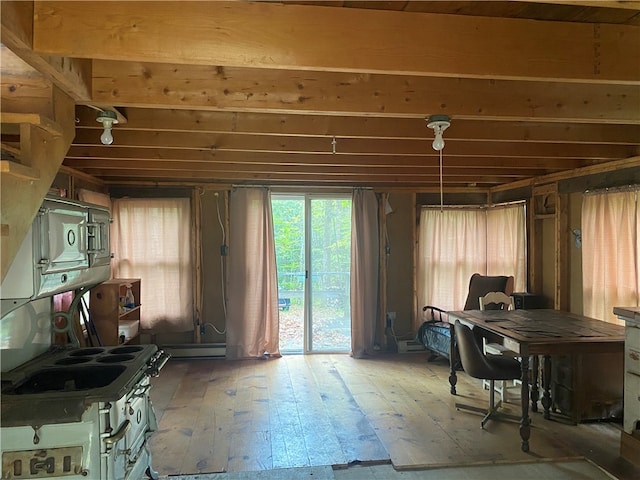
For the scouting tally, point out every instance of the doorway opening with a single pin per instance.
(313, 257)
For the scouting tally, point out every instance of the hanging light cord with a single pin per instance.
(441, 194)
(439, 123)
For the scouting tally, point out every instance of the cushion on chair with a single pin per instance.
(480, 285)
(504, 368)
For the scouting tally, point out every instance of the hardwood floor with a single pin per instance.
(295, 411)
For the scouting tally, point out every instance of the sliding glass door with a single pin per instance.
(313, 251)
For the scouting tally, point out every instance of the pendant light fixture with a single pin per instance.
(439, 123)
(107, 118)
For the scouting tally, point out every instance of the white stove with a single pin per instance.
(78, 413)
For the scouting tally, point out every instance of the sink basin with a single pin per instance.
(67, 379)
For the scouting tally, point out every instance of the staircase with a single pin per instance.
(32, 150)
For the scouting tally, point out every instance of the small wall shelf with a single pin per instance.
(116, 324)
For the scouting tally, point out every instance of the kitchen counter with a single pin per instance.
(629, 314)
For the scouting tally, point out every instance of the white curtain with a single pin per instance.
(506, 243)
(364, 272)
(455, 243)
(151, 239)
(253, 317)
(610, 243)
(451, 248)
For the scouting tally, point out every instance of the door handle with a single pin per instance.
(122, 431)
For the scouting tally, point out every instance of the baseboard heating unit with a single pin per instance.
(410, 346)
(196, 350)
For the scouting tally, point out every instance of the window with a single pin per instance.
(151, 239)
(455, 243)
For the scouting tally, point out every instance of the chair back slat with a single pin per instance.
(500, 299)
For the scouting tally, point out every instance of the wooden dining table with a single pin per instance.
(538, 333)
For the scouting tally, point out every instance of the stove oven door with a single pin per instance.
(63, 237)
(130, 423)
(137, 413)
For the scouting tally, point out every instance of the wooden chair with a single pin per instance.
(503, 302)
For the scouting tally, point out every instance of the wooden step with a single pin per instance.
(10, 150)
(15, 142)
(10, 123)
(9, 167)
(25, 163)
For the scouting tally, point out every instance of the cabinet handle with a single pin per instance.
(122, 431)
(94, 232)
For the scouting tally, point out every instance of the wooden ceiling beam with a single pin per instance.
(71, 75)
(89, 140)
(339, 93)
(335, 176)
(152, 168)
(300, 37)
(459, 163)
(243, 123)
(624, 4)
(304, 183)
(78, 156)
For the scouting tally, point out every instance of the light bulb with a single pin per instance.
(108, 119)
(438, 141)
(106, 138)
(439, 123)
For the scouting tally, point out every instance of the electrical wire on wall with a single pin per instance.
(222, 270)
(200, 259)
(390, 331)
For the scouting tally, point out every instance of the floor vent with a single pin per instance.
(195, 350)
(410, 346)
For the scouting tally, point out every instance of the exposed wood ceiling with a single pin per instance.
(256, 92)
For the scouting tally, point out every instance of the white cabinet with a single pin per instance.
(630, 441)
(632, 379)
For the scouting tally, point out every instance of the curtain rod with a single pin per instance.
(478, 207)
(304, 189)
(623, 188)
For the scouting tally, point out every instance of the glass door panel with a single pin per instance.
(329, 250)
(289, 230)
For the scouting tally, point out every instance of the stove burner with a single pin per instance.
(115, 358)
(127, 349)
(86, 351)
(68, 379)
(99, 371)
(73, 360)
